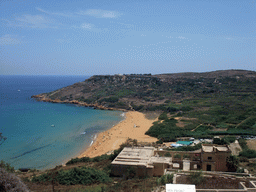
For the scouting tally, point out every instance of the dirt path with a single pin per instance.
(251, 144)
(235, 148)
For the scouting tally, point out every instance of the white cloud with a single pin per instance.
(100, 13)
(33, 21)
(55, 13)
(9, 40)
(180, 37)
(86, 26)
(43, 11)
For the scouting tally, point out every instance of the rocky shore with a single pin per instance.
(41, 97)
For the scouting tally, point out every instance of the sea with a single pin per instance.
(43, 135)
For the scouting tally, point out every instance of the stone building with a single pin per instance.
(213, 157)
(142, 160)
(147, 161)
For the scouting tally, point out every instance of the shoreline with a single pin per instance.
(133, 126)
(41, 97)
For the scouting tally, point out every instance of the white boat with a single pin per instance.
(53, 125)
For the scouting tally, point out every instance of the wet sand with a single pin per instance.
(133, 126)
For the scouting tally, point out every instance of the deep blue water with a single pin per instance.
(32, 141)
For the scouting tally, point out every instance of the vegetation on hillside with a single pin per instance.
(246, 152)
(199, 105)
(213, 103)
(75, 176)
(8, 180)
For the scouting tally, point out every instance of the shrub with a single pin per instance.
(177, 156)
(186, 108)
(88, 159)
(77, 160)
(230, 139)
(83, 175)
(240, 170)
(219, 141)
(110, 99)
(163, 116)
(167, 138)
(243, 159)
(100, 158)
(136, 107)
(186, 156)
(252, 165)
(165, 179)
(247, 124)
(248, 153)
(130, 173)
(196, 177)
(232, 163)
(243, 143)
(169, 178)
(171, 109)
(10, 182)
(99, 188)
(167, 154)
(6, 166)
(159, 141)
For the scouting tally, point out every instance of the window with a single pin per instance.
(209, 158)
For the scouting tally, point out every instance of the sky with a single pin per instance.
(99, 37)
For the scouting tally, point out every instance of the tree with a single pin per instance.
(2, 138)
(232, 163)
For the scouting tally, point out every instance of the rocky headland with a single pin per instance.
(146, 92)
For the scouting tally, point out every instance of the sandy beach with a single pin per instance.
(134, 126)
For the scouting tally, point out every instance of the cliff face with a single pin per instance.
(151, 92)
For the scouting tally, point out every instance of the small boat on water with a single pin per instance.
(18, 90)
(83, 133)
(53, 125)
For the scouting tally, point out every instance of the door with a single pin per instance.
(186, 165)
(208, 168)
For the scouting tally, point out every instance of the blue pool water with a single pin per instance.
(42, 135)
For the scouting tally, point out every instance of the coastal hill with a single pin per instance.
(193, 104)
(146, 92)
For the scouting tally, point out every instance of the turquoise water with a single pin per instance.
(42, 135)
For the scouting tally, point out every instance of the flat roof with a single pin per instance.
(222, 148)
(207, 148)
(161, 160)
(134, 156)
(210, 148)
